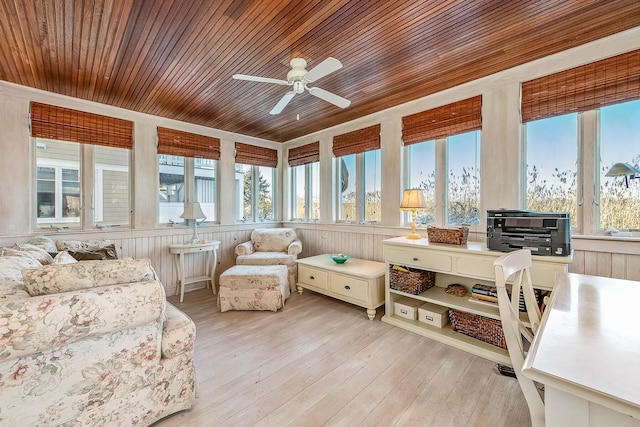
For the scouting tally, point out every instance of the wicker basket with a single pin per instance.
(479, 327)
(412, 282)
(453, 236)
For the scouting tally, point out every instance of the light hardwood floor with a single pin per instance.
(321, 362)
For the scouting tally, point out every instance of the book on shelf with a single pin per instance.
(484, 290)
(483, 302)
(489, 298)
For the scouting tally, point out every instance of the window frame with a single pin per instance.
(255, 201)
(309, 189)
(87, 171)
(441, 163)
(188, 170)
(360, 190)
(588, 176)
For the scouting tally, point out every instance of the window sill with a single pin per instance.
(606, 237)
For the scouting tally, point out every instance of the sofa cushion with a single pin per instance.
(10, 291)
(44, 322)
(272, 239)
(12, 263)
(51, 279)
(266, 258)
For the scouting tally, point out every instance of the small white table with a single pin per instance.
(587, 353)
(209, 249)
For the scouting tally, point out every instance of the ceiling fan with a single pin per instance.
(299, 78)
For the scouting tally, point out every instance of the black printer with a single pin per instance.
(544, 233)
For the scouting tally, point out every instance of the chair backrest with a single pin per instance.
(514, 267)
(272, 239)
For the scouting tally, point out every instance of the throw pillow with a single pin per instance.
(64, 258)
(81, 245)
(107, 252)
(44, 242)
(35, 251)
(52, 279)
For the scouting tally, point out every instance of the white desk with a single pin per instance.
(209, 249)
(587, 353)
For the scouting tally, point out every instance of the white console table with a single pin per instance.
(462, 264)
(586, 353)
(179, 250)
(357, 281)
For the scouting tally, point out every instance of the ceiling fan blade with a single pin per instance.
(329, 97)
(327, 66)
(282, 103)
(260, 79)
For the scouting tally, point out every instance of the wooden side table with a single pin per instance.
(209, 249)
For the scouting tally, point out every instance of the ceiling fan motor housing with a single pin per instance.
(297, 72)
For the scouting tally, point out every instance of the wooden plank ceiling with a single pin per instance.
(175, 58)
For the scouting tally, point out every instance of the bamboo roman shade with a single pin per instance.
(304, 154)
(441, 122)
(256, 156)
(65, 124)
(357, 141)
(178, 143)
(588, 87)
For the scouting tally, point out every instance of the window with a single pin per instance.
(551, 165)
(305, 181)
(358, 175)
(254, 186)
(255, 183)
(299, 192)
(347, 182)
(205, 188)
(70, 188)
(372, 186)
(111, 186)
(578, 123)
(463, 179)
(187, 166)
(171, 192)
(421, 173)
(442, 157)
(619, 204)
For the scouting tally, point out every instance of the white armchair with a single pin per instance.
(272, 246)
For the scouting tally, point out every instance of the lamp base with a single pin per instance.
(413, 236)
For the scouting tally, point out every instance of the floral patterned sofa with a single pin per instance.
(92, 343)
(272, 246)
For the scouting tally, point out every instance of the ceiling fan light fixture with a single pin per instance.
(298, 86)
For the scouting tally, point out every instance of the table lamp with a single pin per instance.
(412, 201)
(193, 211)
(624, 169)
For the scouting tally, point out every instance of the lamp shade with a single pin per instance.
(622, 169)
(193, 211)
(412, 199)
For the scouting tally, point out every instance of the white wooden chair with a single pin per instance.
(514, 267)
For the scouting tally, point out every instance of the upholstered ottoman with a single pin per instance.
(253, 287)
